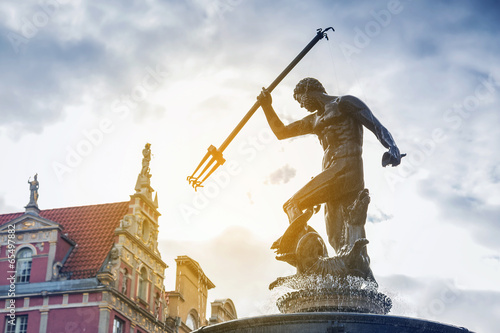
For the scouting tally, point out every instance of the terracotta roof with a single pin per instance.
(4, 218)
(91, 228)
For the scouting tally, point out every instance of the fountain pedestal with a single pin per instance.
(328, 300)
(316, 293)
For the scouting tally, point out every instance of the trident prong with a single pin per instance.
(215, 157)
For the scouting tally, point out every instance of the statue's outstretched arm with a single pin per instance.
(363, 114)
(282, 131)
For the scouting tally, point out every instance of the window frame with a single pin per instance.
(142, 292)
(23, 265)
(21, 325)
(192, 320)
(117, 329)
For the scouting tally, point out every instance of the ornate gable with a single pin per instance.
(134, 265)
(30, 228)
(29, 222)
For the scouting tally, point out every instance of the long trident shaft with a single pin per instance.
(213, 154)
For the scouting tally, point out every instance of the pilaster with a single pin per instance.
(44, 316)
(104, 316)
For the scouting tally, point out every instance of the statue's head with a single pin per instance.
(307, 85)
(302, 90)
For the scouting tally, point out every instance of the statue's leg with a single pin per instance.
(356, 214)
(314, 193)
(344, 176)
(334, 221)
(347, 183)
(338, 186)
(337, 227)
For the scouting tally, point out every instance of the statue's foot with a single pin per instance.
(295, 230)
(357, 261)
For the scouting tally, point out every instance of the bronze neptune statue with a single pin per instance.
(338, 123)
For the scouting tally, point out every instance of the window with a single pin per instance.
(145, 230)
(191, 321)
(21, 325)
(23, 262)
(118, 326)
(143, 284)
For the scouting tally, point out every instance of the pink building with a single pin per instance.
(96, 269)
(90, 269)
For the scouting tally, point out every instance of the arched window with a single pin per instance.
(192, 320)
(143, 284)
(23, 268)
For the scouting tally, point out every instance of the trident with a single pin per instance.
(209, 165)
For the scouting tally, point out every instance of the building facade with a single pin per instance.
(189, 300)
(93, 268)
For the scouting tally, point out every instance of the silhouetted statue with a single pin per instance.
(338, 123)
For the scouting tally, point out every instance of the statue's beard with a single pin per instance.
(310, 105)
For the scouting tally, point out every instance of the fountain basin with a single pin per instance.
(331, 322)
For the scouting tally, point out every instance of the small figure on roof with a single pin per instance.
(146, 152)
(34, 185)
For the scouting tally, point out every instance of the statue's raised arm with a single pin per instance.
(282, 131)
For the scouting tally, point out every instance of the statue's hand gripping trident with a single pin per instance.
(213, 158)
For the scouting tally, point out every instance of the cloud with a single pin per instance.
(281, 176)
(443, 301)
(470, 212)
(6, 208)
(376, 215)
(86, 56)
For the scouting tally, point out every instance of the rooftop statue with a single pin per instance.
(143, 184)
(146, 153)
(34, 185)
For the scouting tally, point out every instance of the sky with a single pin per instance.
(85, 85)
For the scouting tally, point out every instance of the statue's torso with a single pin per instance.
(340, 134)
